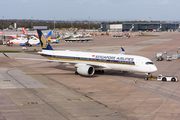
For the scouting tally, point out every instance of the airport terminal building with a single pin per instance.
(140, 27)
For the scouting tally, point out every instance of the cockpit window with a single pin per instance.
(149, 63)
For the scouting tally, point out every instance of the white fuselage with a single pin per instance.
(105, 61)
(33, 40)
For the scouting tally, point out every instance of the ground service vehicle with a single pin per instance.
(168, 58)
(159, 56)
(167, 78)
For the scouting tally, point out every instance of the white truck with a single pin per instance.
(168, 58)
(159, 56)
(167, 78)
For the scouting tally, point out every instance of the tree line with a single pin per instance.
(64, 24)
(30, 24)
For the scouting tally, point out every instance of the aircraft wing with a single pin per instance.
(75, 63)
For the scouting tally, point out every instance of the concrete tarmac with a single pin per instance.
(40, 90)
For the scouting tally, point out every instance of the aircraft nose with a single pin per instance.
(154, 68)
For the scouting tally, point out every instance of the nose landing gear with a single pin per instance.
(147, 76)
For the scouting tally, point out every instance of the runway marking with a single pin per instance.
(6, 80)
(79, 100)
(76, 100)
(32, 103)
(20, 104)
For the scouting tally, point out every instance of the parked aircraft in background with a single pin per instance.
(26, 33)
(1, 33)
(31, 40)
(87, 63)
(23, 40)
(7, 35)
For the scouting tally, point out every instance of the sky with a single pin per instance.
(93, 10)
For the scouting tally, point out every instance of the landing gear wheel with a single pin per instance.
(76, 73)
(99, 72)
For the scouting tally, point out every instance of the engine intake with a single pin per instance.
(86, 70)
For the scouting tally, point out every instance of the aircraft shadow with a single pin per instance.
(125, 74)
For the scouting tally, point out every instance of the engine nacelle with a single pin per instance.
(85, 70)
(22, 44)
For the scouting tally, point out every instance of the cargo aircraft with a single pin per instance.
(87, 63)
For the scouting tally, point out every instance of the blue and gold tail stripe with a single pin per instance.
(43, 42)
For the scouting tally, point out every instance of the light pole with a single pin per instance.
(54, 24)
(89, 22)
(54, 27)
(31, 22)
(71, 23)
(3, 22)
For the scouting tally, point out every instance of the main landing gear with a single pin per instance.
(99, 71)
(76, 73)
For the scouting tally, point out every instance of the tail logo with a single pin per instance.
(43, 39)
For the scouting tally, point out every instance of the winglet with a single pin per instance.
(123, 51)
(5, 55)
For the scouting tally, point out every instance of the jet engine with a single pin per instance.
(86, 70)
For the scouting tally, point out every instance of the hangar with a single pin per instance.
(140, 27)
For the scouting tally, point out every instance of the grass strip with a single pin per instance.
(18, 51)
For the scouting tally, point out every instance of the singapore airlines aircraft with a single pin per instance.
(86, 63)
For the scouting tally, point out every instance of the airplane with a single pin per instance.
(26, 33)
(48, 37)
(24, 41)
(7, 35)
(1, 33)
(87, 63)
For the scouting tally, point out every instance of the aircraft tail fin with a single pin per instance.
(1, 33)
(45, 45)
(24, 32)
(48, 36)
